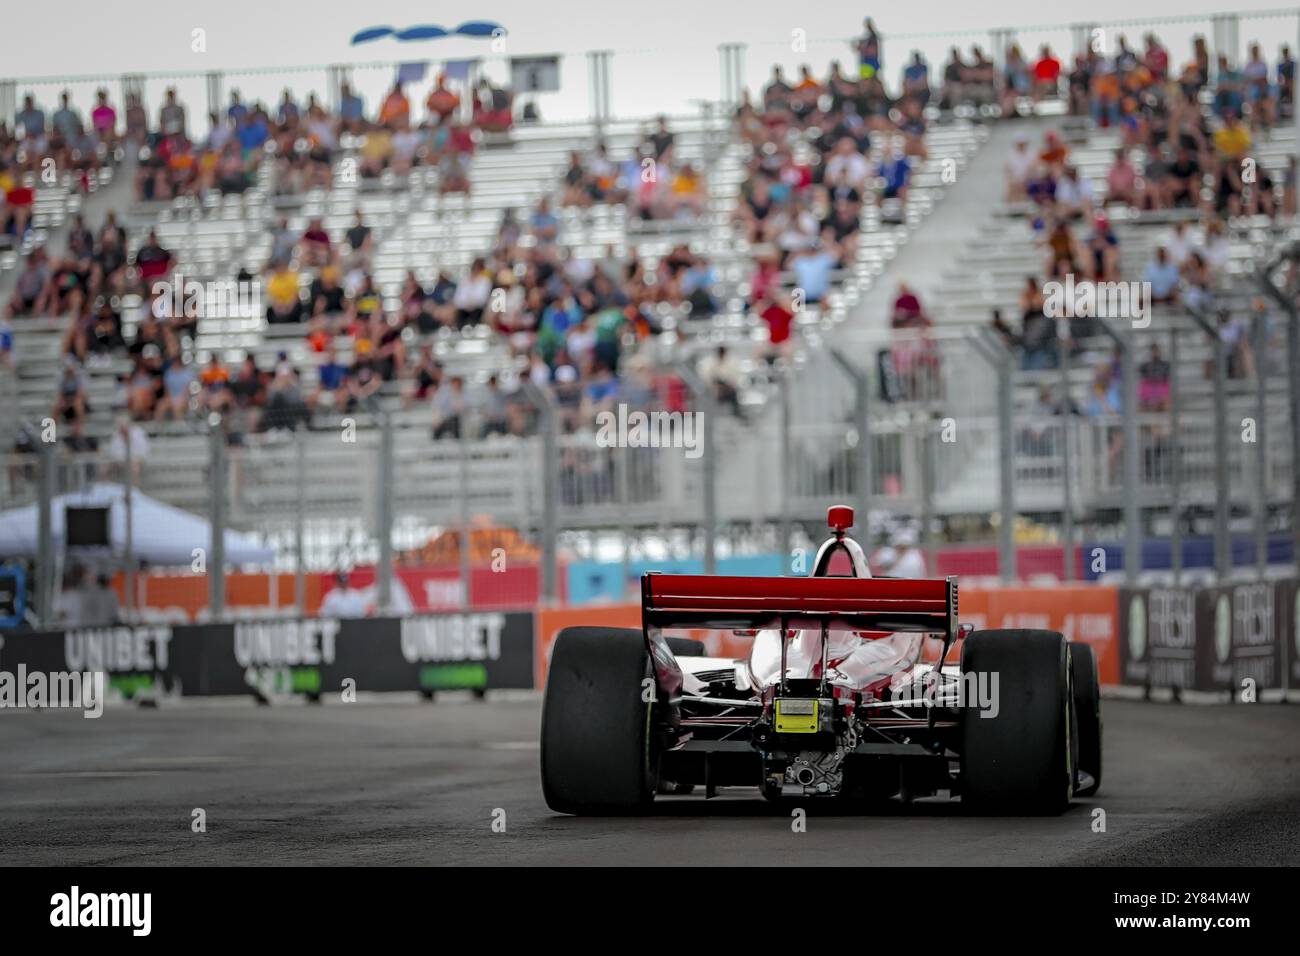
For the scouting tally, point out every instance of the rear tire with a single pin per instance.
(1020, 760)
(1087, 708)
(596, 735)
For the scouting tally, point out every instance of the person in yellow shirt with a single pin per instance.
(282, 291)
(1232, 140)
(376, 152)
(688, 190)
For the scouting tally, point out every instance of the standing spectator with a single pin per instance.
(869, 51)
(127, 433)
(916, 79)
(351, 109)
(66, 121)
(31, 120)
(448, 408)
(171, 116)
(723, 372)
(442, 102)
(1153, 382)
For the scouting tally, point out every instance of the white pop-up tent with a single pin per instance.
(161, 534)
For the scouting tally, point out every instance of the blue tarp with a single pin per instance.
(429, 31)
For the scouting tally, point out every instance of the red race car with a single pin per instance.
(855, 687)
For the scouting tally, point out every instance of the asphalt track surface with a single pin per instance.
(398, 781)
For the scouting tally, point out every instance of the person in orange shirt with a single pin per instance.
(396, 107)
(442, 102)
(216, 384)
(1054, 152)
(1105, 94)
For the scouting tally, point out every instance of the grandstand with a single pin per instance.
(489, 257)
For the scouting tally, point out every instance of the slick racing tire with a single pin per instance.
(596, 733)
(1020, 759)
(1087, 710)
(685, 647)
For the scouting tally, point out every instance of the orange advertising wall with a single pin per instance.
(1087, 613)
(184, 596)
(553, 620)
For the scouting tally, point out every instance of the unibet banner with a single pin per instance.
(474, 650)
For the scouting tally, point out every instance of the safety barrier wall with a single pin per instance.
(1241, 638)
(1208, 639)
(271, 658)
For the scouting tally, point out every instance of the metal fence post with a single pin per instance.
(599, 108)
(384, 517)
(1261, 446)
(128, 487)
(1067, 452)
(45, 536)
(862, 423)
(299, 526)
(1007, 484)
(548, 426)
(1222, 503)
(786, 484)
(999, 357)
(1126, 342)
(732, 66)
(217, 519)
(928, 438)
(625, 500)
(1176, 463)
(462, 448)
(1132, 461)
(215, 82)
(1293, 411)
(1286, 300)
(703, 394)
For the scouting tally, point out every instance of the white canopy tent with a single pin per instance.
(161, 534)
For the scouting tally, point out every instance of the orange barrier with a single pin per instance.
(1088, 613)
(184, 597)
(550, 621)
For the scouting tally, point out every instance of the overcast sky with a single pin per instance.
(665, 49)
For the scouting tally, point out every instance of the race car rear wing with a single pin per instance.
(857, 604)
